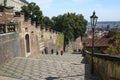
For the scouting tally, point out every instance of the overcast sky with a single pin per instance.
(106, 10)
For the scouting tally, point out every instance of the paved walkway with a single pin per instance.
(47, 67)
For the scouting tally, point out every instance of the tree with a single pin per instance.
(114, 48)
(32, 11)
(46, 22)
(5, 2)
(71, 25)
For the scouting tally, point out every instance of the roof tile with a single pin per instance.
(98, 42)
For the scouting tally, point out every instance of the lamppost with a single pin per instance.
(84, 44)
(93, 19)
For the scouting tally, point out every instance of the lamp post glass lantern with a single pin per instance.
(93, 19)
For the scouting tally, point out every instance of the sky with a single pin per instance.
(106, 10)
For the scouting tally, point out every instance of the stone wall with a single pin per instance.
(26, 28)
(106, 66)
(9, 46)
(33, 39)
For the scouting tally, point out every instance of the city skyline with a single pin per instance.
(106, 10)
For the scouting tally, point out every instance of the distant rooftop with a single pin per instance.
(105, 23)
(98, 42)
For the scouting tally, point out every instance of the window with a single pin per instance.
(27, 43)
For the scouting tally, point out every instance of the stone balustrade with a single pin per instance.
(9, 27)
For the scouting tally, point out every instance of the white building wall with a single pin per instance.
(17, 4)
(1, 2)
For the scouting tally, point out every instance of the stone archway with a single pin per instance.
(27, 42)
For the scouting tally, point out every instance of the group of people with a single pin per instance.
(52, 51)
(61, 52)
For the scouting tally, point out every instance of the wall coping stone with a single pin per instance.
(106, 56)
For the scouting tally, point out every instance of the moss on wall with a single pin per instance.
(60, 40)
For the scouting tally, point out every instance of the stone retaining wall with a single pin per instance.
(9, 46)
(106, 66)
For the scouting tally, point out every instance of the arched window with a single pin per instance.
(27, 43)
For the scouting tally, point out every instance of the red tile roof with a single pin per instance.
(98, 42)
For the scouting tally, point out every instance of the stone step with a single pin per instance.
(7, 78)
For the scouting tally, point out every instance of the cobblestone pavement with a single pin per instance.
(46, 67)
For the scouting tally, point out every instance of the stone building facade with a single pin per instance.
(17, 4)
(1, 2)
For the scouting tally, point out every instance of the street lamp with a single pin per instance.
(93, 19)
(84, 43)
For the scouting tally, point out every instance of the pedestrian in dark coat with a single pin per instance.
(46, 50)
(61, 52)
(57, 53)
(52, 51)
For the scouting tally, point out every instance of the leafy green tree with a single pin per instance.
(5, 2)
(32, 11)
(114, 48)
(46, 22)
(71, 25)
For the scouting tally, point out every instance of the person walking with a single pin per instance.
(57, 53)
(46, 50)
(61, 52)
(52, 51)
